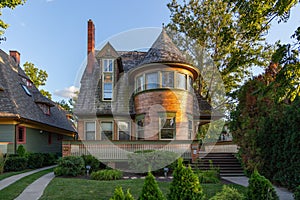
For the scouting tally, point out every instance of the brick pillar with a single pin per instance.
(91, 46)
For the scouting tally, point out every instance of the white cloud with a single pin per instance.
(66, 92)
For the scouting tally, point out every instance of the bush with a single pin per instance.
(70, 166)
(119, 195)
(91, 161)
(15, 164)
(21, 151)
(260, 188)
(185, 184)
(150, 160)
(208, 176)
(297, 193)
(49, 159)
(228, 193)
(107, 175)
(150, 189)
(35, 160)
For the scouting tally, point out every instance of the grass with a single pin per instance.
(8, 174)
(73, 188)
(15, 189)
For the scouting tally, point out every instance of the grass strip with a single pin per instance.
(9, 174)
(15, 189)
(73, 188)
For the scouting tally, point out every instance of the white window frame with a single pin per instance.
(173, 115)
(158, 80)
(104, 72)
(129, 129)
(85, 129)
(107, 121)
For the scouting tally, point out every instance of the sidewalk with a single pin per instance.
(10, 180)
(36, 189)
(283, 193)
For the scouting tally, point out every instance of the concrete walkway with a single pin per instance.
(10, 180)
(283, 193)
(36, 189)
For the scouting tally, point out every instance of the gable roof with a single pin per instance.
(16, 102)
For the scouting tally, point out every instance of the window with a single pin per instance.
(190, 84)
(140, 83)
(140, 123)
(190, 129)
(108, 65)
(152, 80)
(107, 77)
(106, 130)
(26, 90)
(167, 124)
(181, 81)
(21, 135)
(90, 130)
(124, 130)
(167, 79)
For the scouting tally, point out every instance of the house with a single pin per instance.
(137, 100)
(27, 117)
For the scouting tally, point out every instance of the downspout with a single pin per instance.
(16, 126)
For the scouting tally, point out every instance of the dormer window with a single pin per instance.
(107, 77)
(26, 90)
(45, 108)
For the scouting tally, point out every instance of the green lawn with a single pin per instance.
(73, 188)
(15, 189)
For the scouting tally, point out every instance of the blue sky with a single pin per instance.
(52, 34)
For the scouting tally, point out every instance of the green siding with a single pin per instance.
(7, 133)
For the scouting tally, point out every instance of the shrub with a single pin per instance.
(49, 159)
(150, 189)
(15, 164)
(119, 195)
(21, 151)
(35, 160)
(260, 188)
(150, 160)
(185, 184)
(70, 166)
(91, 161)
(297, 193)
(208, 176)
(2, 162)
(228, 193)
(107, 175)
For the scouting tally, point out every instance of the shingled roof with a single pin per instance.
(163, 50)
(16, 102)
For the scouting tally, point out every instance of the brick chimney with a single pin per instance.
(91, 46)
(16, 56)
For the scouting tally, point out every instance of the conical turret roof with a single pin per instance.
(163, 50)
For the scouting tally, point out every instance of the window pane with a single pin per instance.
(124, 126)
(124, 135)
(90, 126)
(90, 135)
(140, 83)
(152, 80)
(108, 77)
(107, 91)
(108, 65)
(106, 130)
(21, 134)
(190, 83)
(181, 81)
(124, 130)
(167, 79)
(167, 134)
(168, 123)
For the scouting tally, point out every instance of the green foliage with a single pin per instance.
(185, 184)
(151, 190)
(119, 194)
(49, 159)
(143, 161)
(70, 166)
(8, 4)
(228, 193)
(260, 188)
(107, 175)
(91, 161)
(208, 176)
(2, 162)
(21, 151)
(35, 160)
(37, 76)
(15, 164)
(297, 193)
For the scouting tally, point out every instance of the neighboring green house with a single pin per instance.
(26, 116)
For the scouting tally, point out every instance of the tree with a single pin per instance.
(185, 184)
(8, 4)
(232, 33)
(119, 194)
(150, 189)
(37, 76)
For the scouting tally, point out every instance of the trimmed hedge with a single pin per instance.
(70, 166)
(35, 160)
(15, 164)
(106, 175)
